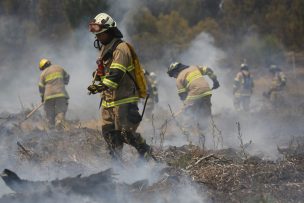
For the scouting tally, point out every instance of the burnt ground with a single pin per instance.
(184, 173)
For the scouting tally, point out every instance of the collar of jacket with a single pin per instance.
(106, 48)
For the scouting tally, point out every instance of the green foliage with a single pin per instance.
(165, 33)
(79, 11)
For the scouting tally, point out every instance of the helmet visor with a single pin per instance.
(97, 28)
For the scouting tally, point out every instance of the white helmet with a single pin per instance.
(152, 74)
(101, 23)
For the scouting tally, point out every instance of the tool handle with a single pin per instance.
(34, 110)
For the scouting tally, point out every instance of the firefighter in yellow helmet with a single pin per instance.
(278, 85)
(117, 85)
(52, 90)
(194, 91)
(243, 88)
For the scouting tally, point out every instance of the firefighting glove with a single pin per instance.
(216, 84)
(94, 89)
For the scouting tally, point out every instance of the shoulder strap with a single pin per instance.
(244, 76)
(132, 78)
(109, 54)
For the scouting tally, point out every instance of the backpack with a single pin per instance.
(139, 80)
(248, 81)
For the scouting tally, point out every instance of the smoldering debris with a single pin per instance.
(231, 177)
(225, 175)
(76, 150)
(191, 174)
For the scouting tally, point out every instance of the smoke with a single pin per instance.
(20, 77)
(263, 128)
(19, 87)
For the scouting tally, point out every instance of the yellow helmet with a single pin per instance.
(44, 63)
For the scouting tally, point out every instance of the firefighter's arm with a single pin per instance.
(156, 97)
(209, 72)
(66, 77)
(181, 89)
(236, 84)
(155, 92)
(41, 87)
(119, 67)
(252, 86)
(282, 79)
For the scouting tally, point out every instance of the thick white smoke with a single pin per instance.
(78, 59)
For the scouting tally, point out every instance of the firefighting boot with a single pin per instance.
(115, 144)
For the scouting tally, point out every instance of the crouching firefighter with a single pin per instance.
(53, 93)
(277, 90)
(121, 84)
(194, 91)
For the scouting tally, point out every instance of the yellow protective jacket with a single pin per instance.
(243, 84)
(52, 82)
(192, 85)
(118, 72)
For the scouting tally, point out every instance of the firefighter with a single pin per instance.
(242, 89)
(53, 93)
(119, 90)
(194, 91)
(278, 84)
(153, 93)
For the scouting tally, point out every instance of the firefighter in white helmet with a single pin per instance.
(53, 93)
(118, 87)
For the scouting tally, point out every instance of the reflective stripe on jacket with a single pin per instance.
(119, 102)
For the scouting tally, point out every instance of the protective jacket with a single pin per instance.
(192, 85)
(119, 75)
(52, 82)
(243, 83)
